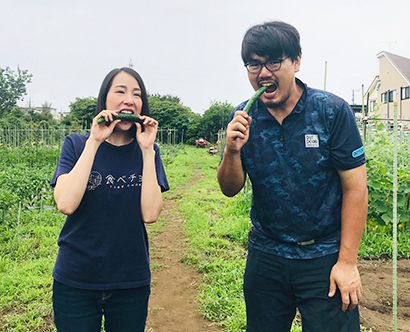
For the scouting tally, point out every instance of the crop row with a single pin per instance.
(25, 172)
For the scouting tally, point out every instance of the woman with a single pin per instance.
(108, 183)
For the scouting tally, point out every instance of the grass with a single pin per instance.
(378, 243)
(27, 255)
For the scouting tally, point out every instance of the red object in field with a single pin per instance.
(212, 150)
(200, 143)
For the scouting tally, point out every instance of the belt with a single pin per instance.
(305, 243)
(302, 243)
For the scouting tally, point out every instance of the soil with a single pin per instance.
(174, 307)
(376, 304)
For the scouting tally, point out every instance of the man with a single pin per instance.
(303, 153)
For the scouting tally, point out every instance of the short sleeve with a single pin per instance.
(159, 168)
(346, 145)
(68, 157)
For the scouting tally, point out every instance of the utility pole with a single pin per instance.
(363, 101)
(353, 90)
(130, 64)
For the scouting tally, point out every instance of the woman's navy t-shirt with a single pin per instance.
(103, 244)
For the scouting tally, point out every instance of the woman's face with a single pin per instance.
(124, 96)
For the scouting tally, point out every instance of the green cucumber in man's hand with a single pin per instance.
(124, 117)
(254, 98)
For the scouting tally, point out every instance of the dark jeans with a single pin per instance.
(81, 310)
(275, 286)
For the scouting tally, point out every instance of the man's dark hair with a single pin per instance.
(106, 85)
(271, 39)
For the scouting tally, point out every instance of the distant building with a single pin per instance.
(358, 110)
(392, 83)
(57, 115)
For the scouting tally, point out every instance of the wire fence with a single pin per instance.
(16, 137)
(370, 132)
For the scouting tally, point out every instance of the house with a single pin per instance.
(392, 83)
(57, 115)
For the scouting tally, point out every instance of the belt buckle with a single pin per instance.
(305, 243)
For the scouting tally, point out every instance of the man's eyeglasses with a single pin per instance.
(271, 65)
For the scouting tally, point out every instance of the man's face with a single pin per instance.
(282, 81)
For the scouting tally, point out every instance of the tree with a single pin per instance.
(16, 117)
(170, 98)
(12, 87)
(169, 113)
(42, 115)
(46, 107)
(83, 110)
(70, 121)
(214, 118)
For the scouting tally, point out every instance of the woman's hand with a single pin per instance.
(146, 138)
(100, 131)
(70, 187)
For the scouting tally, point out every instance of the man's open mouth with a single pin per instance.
(270, 87)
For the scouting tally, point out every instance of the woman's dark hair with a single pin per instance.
(106, 85)
(271, 39)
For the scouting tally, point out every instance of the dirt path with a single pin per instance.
(376, 304)
(173, 305)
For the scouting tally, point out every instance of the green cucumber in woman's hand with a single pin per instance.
(254, 98)
(124, 117)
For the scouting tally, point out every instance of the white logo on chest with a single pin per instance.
(312, 141)
(94, 180)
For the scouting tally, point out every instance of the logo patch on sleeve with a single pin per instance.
(312, 141)
(358, 152)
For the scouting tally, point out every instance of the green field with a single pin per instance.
(216, 227)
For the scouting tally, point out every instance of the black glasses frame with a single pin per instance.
(278, 61)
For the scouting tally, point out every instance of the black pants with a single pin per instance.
(81, 310)
(275, 286)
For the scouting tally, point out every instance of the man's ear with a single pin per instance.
(296, 63)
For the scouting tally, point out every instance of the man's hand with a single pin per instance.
(231, 176)
(237, 132)
(346, 277)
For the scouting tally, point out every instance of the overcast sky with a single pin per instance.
(191, 48)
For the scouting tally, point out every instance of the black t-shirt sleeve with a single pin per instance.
(346, 145)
